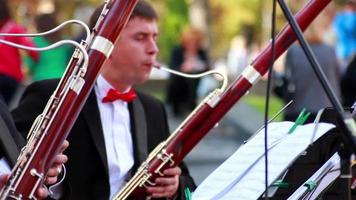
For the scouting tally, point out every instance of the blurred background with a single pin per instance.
(234, 33)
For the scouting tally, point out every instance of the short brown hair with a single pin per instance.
(191, 33)
(142, 9)
(145, 10)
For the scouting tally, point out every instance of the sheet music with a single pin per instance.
(242, 175)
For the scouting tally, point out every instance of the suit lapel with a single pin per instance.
(138, 130)
(92, 117)
(7, 142)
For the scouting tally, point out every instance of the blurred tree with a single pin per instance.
(233, 17)
(226, 19)
(200, 17)
(173, 17)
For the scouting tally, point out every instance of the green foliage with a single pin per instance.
(173, 17)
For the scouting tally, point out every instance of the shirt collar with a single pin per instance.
(104, 86)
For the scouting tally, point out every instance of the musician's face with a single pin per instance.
(135, 52)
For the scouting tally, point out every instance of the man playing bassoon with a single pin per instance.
(117, 127)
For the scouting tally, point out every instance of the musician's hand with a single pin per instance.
(56, 168)
(167, 186)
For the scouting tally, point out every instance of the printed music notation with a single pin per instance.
(242, 175)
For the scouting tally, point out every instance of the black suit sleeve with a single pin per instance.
(10, 140)
(5, 115)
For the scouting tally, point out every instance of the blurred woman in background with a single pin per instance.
(188, 57)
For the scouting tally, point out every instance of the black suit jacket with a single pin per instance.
(87, 170)
(10, 140)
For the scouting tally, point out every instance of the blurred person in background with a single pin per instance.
(348, 84)
(237, 58)
(11, 74)
(303, 85)
(188, 57)
(345, 28)
(52, 63)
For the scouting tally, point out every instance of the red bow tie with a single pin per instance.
(113, 95)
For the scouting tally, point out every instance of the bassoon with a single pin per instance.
(52, 127)
(171, 152)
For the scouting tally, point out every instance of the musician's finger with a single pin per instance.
(65, 145)
(164, 191)
(167, 187)
(156, 189)
(166, 181)
(172, 171)
(42, 192)
(60, 159)
(51, 180)
(54, 171)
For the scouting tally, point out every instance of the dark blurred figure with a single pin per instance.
(11, 73)
(188, 57)
(303, 85)
(345, 28)
(52, 63)
(348, 84)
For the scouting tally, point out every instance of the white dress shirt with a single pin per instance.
(115, 119)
